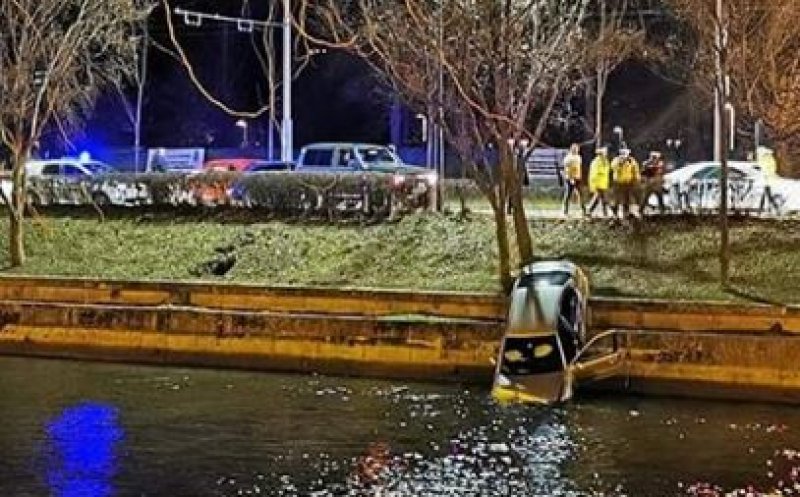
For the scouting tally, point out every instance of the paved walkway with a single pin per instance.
(575, 215)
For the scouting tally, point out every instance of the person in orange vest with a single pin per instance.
(599, 180)
(627, 177)
(573, 173)
(769, 169)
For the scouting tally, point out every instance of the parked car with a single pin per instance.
(358, 157)
(697, 187)
(414, 182)
(545, 331)
(62, 181)
(246, 165)
(238, 191)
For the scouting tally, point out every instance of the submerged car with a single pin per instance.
(546, 328)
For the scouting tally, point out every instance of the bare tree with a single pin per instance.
(488, 72)
(712, 21)
(133, 105)
(610, 40)
(763, 37)
(55, 56)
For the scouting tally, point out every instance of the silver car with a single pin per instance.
(546, 328)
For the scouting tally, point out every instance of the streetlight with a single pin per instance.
(241, 123)
(195, 19)
(620, 135)
(423, 123)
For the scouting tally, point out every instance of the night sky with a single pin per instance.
(336, 98)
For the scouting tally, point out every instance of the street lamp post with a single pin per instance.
(193, 18)
(241, 123)
(287, 141)
(620, 132)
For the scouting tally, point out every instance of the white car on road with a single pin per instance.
(697, 187)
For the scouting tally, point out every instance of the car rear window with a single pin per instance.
(554, 278)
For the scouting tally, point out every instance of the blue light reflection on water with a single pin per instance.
(81, 448)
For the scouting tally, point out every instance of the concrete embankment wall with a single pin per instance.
(678, 348)
(356, 332)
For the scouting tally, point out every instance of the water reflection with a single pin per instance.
(206, 433)
(80, 451)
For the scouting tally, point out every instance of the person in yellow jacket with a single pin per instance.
(599, 180)
(769, 169)
(627, 177)
(573, 173)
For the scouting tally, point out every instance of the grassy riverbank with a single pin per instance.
(668, 259)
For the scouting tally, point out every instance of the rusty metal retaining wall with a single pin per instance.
(448, 350)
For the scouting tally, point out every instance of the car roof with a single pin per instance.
(736, 163)
(342, 145)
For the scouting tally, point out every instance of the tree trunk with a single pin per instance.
(598, 110)
(17, 211)
(523, 233)
(501, 232)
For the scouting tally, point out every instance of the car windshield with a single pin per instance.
(531, 355)
(97, 167)
(377, 155)
(715, 172)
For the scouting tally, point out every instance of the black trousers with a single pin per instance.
(768, 196)
(572, 188)
(600, 197)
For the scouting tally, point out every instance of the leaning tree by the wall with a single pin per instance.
(487, 71)
(55, 56)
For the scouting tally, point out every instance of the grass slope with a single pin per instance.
(666, 259)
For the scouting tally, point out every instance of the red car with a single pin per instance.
(245, 165)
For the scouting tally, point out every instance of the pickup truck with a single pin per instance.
(414, 184)
(338, 158)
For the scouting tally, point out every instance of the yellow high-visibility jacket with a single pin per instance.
(626, 171)
(599, 172)
(769, 167)
(573, 165)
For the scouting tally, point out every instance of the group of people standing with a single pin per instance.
(615, 185)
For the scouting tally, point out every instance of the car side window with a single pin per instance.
(345, 155)
(318, 158)
(50, 170)
(72, 171)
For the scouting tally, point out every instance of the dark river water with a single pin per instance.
(71, 429)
